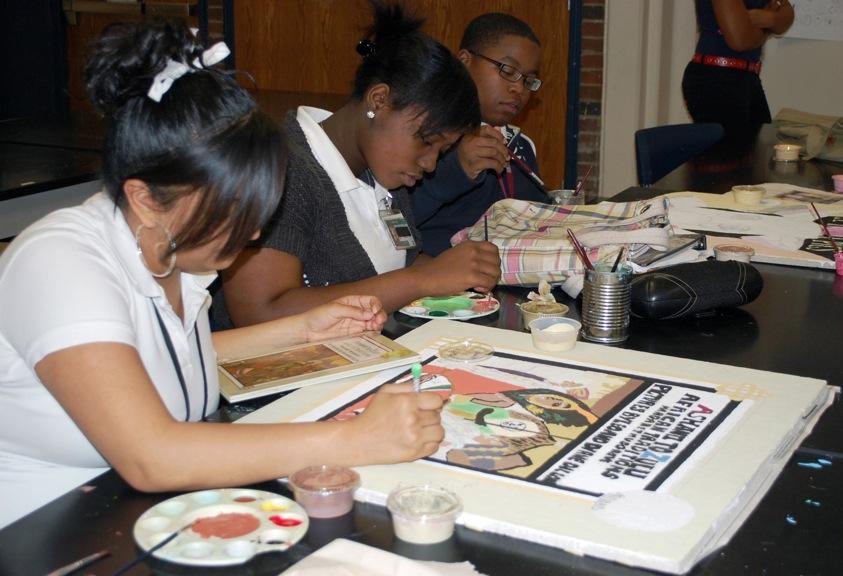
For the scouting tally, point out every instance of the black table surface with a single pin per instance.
(722, 167)
(793, 327)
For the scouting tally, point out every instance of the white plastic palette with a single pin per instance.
(226, 526)
(463, 306)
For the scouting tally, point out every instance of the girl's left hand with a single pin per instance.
(343, 317)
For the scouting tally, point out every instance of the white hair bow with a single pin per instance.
(175, 70)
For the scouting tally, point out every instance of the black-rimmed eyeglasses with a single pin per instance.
(513, 74)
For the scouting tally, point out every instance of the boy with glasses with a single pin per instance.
(502, 55)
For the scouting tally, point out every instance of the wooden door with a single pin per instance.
(309, 46)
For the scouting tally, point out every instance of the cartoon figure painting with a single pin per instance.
(509, 417)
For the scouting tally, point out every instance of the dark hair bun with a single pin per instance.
(128, 55)
(392, 24)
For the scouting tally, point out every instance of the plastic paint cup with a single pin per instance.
(566, 197)
(726, 252)
(838, 262)
(838, 182)
(554, 334)
(538, 309)
(748, 195)
(423, 514)
(787, 152)
(325, 491)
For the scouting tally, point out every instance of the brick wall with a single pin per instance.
(591, 93)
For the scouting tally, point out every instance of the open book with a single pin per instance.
(311, 363)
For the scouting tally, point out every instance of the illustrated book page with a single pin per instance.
(308, 364)
(647, 460)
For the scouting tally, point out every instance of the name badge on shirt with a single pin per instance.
(399, 230)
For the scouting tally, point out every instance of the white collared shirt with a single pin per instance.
(74, 277)
(361, 200)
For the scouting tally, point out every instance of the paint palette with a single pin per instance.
(463, 306)
(221, 527)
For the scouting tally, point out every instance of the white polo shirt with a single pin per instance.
(361, 200)
(74, 277)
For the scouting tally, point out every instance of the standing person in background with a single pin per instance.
(106, 354)
(502, 55)
(721, 83)
(345, 224)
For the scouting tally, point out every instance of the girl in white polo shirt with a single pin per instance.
(106, 356)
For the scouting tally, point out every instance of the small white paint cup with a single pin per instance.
(554, 334)
(726, 252)
(423, 514)
(787, 152)
(533, 309)
(748, 195)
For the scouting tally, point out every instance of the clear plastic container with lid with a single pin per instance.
(423, 514)
(325, 491)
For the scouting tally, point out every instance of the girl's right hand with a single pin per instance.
(470, 265)
(399, 425)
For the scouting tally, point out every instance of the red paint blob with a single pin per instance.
(286, 522)
(245, 499)
(231, 525)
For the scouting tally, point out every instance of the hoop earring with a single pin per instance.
(370, 115)
(170, 242)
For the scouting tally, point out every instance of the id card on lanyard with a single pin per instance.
(399, 229)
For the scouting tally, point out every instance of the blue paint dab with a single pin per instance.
(790, 520)
(813, 503)
(813, 465)
(824, 462)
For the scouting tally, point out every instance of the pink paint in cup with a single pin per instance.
(325, 491)
(838, 263)
(838, 182)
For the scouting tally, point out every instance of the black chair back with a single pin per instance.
(659, 150)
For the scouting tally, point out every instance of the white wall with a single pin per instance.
(647, 45)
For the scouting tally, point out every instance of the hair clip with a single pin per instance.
(175, 70)
(366, 48)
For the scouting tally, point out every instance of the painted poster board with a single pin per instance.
(667, 514)
(817, 20)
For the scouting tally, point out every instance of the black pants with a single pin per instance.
(733, 98)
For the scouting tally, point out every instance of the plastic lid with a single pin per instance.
(466, 351)
(325, 479)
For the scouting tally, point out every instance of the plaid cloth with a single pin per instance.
(534, 244)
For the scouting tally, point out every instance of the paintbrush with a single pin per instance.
(578, 248)
(526, 169)
(81, 563)
(825, 228)
(618, 259)
(581, 185)
(486, 238)
(126, 567)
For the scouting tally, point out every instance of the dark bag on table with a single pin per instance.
(685, 289)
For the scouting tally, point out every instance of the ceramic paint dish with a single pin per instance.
(459, 307)
(226, 526)
(325, 491)
(837, 179)
(423, 514)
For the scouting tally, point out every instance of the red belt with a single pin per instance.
(726, 62)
